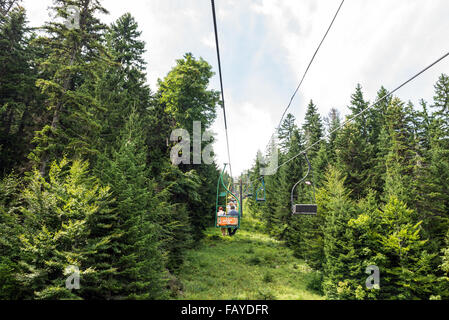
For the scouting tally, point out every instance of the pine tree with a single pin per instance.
(6, 6)
(134, 254)
(379, 139)
(285, 132)
(357, 105)
(289, 174)
(313, 234)
(59, 214)
(353, 149)
(179, 190)
(268, 213)
(11, 228)
(333, 122)
(122, 86)
(255, 181)
(338, 251)
(184, 94)
(438, 177)
(313, 129)
(406, 265)
(364, 244)
(255, 177)
(444, 267)
(19, 98)
(401, 154)
(441, 106)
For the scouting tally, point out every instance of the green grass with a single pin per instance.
(249, 266)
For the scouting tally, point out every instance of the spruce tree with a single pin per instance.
(405, 264)
(6, 6)
(70, 69)
(122, 86)
(11, 228)
(289, 174)
(19, 99)
(312, 129)
(438, 182)
(179, 192)
(444, 267)
(353, 148)
(441, 107)
(401, 154)
(59, 215)
(333, 122)
(379, 139)
(285, 132)
(338, 251)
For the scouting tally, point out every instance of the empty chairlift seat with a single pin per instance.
(305, 209)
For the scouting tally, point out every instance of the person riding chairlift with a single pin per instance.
(221, 213)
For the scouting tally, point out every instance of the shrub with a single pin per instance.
(254, 261)
(314, 281)
(265, 294)
(267, 278)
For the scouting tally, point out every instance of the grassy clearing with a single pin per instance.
(250, 266)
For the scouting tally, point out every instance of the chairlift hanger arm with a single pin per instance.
(304, 178)
(261, 188)
(304, 209)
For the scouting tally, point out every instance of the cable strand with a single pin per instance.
(306, 71)
(221, 84)
(310, 63)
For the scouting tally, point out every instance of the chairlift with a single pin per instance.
(224, 197)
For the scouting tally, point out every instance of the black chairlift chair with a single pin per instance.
(304, 209)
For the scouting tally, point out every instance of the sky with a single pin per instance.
(265, 46)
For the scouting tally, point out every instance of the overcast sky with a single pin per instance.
(266, 46)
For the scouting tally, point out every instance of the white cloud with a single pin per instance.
(372, 42)
(209, 41)
(266, 46)
(249, 130)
